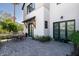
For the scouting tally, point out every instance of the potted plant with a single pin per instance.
(75, 40)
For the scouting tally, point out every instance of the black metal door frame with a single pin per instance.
(57, 30)
(66, 32)
(32, 30)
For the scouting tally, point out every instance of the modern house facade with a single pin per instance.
(64, 19)
(57, 20)
(35, 15)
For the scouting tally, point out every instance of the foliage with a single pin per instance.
(3, 25)
(8, 21)
(12, 27)
(9, 26)
(43, 38)
(75, 38)
(19, 27)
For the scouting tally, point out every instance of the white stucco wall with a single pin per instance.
(69, 11)
(39, 13)
(52, 14)
(39, 30)
(25, 29)
(46, 18)
(42, 13)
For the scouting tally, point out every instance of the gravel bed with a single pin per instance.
(31, 47)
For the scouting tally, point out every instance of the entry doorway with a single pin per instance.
(30, 30)
(62, 30)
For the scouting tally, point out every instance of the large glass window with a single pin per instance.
(30, 7)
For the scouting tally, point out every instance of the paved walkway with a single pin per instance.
(30, 47)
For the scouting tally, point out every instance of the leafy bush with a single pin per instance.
(75, 38)
(43, 38)
(9, 26)
(12, 27)
(19, 27)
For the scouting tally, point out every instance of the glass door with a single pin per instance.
(30, 30)
(56, 31)
(70, 28)
(62, 31)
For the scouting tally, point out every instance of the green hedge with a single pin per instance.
(43, 38)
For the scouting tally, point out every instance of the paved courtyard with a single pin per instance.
(31, 47)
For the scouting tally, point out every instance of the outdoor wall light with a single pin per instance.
(58, 3)
(61, 17)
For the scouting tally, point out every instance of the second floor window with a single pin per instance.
(30, 7)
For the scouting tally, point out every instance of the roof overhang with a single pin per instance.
(30, 19)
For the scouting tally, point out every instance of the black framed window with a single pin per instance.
(46, 24)
(30, 7)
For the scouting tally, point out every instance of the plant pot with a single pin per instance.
(76, 50)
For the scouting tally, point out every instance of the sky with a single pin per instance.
(8, 7)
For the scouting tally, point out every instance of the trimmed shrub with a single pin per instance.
(43, 38)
